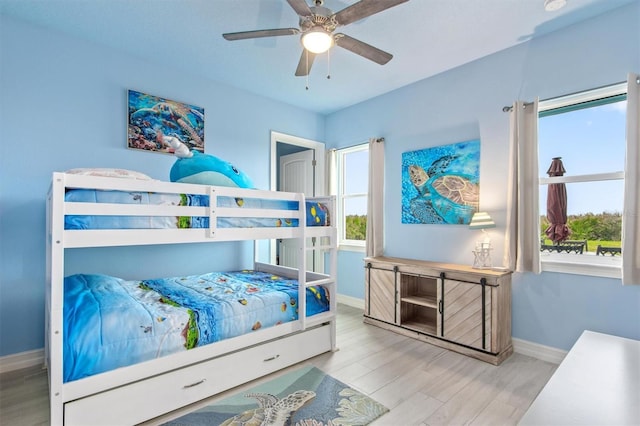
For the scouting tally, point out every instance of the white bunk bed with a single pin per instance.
(140, 392)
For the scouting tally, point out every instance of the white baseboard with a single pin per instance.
(536, 350)
(22, 360)
(354, 302)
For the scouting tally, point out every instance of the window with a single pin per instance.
(587, 130)
(353, 184)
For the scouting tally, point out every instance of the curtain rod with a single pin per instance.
(358, 144)
(509, 108)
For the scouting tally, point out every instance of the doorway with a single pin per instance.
(297, 165)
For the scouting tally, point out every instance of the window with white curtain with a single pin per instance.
(587, 131)
(352, 168)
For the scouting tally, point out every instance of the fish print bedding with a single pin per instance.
(110, 322)
(317, 214)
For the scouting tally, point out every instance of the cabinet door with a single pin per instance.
(462, 314)
(380, 294)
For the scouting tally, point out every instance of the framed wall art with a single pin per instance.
(151, 117)
(440, 185)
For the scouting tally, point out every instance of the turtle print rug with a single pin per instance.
(303, 397)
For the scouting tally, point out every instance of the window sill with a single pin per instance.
(351, 247)
(597, 266)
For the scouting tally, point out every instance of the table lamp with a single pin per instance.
(482, 253)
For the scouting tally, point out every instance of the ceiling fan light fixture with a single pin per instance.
(552, 5)
(317, 40)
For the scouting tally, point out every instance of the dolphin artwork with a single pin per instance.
(195, 167)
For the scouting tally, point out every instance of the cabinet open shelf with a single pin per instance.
(418, 316)
(420, 326)
(427, 301)
(418, 302)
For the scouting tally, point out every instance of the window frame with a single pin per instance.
(341, 153)
(570, 263)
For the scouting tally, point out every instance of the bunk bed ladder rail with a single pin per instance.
(324, 278)
(333, 287)
(54, 296)
(302, 262)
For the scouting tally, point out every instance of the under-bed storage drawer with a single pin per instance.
(140, 401)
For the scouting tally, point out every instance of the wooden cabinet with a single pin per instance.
(453, 306)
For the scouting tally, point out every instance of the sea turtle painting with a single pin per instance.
(440, 185)
(152, 117)
(271, 410)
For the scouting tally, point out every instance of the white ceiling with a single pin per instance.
(426, 37)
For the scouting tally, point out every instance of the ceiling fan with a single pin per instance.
(317, 24)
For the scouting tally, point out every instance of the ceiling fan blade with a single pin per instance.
(363, 49)
(300, 6)
(305, 62)
(363, 9)
(261, 33)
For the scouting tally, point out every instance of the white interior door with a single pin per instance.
(297, 174)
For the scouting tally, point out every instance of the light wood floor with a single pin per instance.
(420, 384)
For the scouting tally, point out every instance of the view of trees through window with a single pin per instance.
(589, 136)
(596, 229)
(356, 227)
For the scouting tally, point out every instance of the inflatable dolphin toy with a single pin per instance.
(205, 169)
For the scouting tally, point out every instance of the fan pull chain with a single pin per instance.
(306, 54)
(329, 64)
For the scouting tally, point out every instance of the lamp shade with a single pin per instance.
(481, 220)
(317, 40)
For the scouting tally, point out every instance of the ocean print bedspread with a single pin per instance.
(317, 214)
(110, 322)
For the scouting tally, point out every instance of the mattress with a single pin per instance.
(110, 322)
(317, 214)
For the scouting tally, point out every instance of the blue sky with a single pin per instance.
(357, 164)
(590, 140)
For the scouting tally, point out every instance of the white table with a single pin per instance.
(598, 383)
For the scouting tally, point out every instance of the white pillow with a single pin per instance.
(109, 172)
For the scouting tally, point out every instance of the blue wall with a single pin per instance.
(63, 105)
(466, 103)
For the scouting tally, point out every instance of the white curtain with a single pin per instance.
(522, 247)
(375, 199)
(630, 216)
